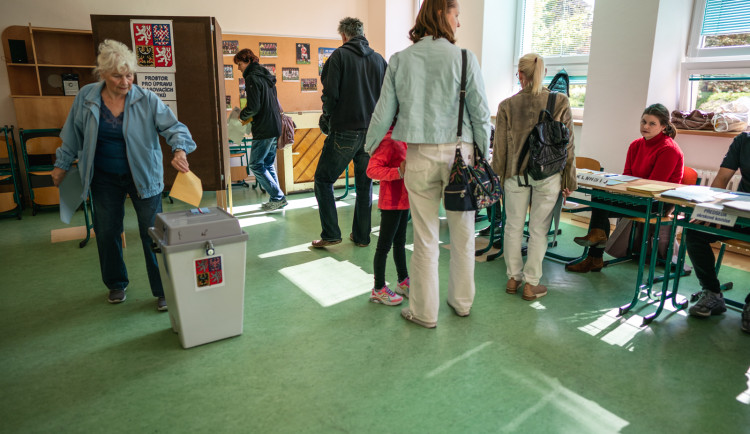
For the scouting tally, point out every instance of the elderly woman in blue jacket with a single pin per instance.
(423, 82)
(113, 131)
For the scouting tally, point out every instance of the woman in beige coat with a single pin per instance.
(516, 117)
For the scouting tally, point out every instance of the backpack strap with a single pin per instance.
(551, 100)
(462, 96)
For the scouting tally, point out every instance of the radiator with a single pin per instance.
(707, 177)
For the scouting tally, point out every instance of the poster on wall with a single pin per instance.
(289, 74)
(303, 54)
(309, 85)
(229, 102)
(243, 93)
(268, 49)
(153, 44)
(271, 67)
(228, 72)
(229, 47)
(323, 55)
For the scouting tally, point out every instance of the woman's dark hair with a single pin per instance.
(246, 55)
(431, 21)
(662, 114)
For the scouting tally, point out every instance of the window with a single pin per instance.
(720, 28)
(557, 28)
(717, 70)
(560, 31)
(710, 91)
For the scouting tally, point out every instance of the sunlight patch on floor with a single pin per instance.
(287, 251)
(585, 416)
(314, 278)
(252, 221)
(744, 397)
(452, 362)
(624, 332)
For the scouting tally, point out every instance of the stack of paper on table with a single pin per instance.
(648, 188)
(738, 207)
(693, 193)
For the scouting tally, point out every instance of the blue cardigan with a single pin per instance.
(146, 116)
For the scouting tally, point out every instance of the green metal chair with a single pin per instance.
(10, 201)
(38, 146)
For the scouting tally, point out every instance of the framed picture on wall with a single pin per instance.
(230, 47)
(323, 55)
(229, 72)
(309, 85)
(289, 74)
(229, 102)
(303, 53)
(268, 49)
(271, 67)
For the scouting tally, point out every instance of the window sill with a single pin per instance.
(707, 133)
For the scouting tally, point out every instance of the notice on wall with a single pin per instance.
(162, 84)
(153, 44)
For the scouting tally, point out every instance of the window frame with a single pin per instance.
(725, 60)
(694, 49)
(573, 65)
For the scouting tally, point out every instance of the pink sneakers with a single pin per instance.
(385, 296)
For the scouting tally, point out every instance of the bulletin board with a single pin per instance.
(292, 98)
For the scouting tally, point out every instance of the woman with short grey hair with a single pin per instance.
(113, 131)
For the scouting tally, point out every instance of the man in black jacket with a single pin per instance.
(699, 243)
(351, 78)
(263, 111)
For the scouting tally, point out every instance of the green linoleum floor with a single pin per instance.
(70, 362)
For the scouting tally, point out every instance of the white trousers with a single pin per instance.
(543, 196)
(427, 170)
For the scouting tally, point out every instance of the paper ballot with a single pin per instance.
(71, 190)
(187, 188)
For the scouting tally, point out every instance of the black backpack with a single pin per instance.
(547, 146)
(560, 83)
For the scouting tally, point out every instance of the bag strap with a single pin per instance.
(462, 96)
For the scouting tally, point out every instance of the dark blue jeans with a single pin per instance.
(340, 148)
(108, 192)
(262, 157)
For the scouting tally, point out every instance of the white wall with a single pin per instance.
(286, 18)
(622, 46)
(399, 19)
(498, 50)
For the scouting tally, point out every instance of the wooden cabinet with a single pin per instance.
(36, 85)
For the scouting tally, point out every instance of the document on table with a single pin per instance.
(693, 193)
(187, 188)
(71, 191)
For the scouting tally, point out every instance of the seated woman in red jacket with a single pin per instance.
(654, 156)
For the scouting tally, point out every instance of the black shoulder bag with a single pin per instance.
(470, 187)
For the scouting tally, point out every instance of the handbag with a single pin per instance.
(694, 120)
(287, 130)
(469, 187)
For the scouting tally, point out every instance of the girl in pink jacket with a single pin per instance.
(387, 165)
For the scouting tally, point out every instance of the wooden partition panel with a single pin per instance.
(197, 87)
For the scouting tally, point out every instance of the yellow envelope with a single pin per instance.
(187, 188)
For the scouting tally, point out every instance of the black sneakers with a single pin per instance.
(116, 296)
(710, 303)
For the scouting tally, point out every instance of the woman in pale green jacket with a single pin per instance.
(423, 82)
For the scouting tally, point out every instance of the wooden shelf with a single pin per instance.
(36, 86)
(49, 65)
(707, 133)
